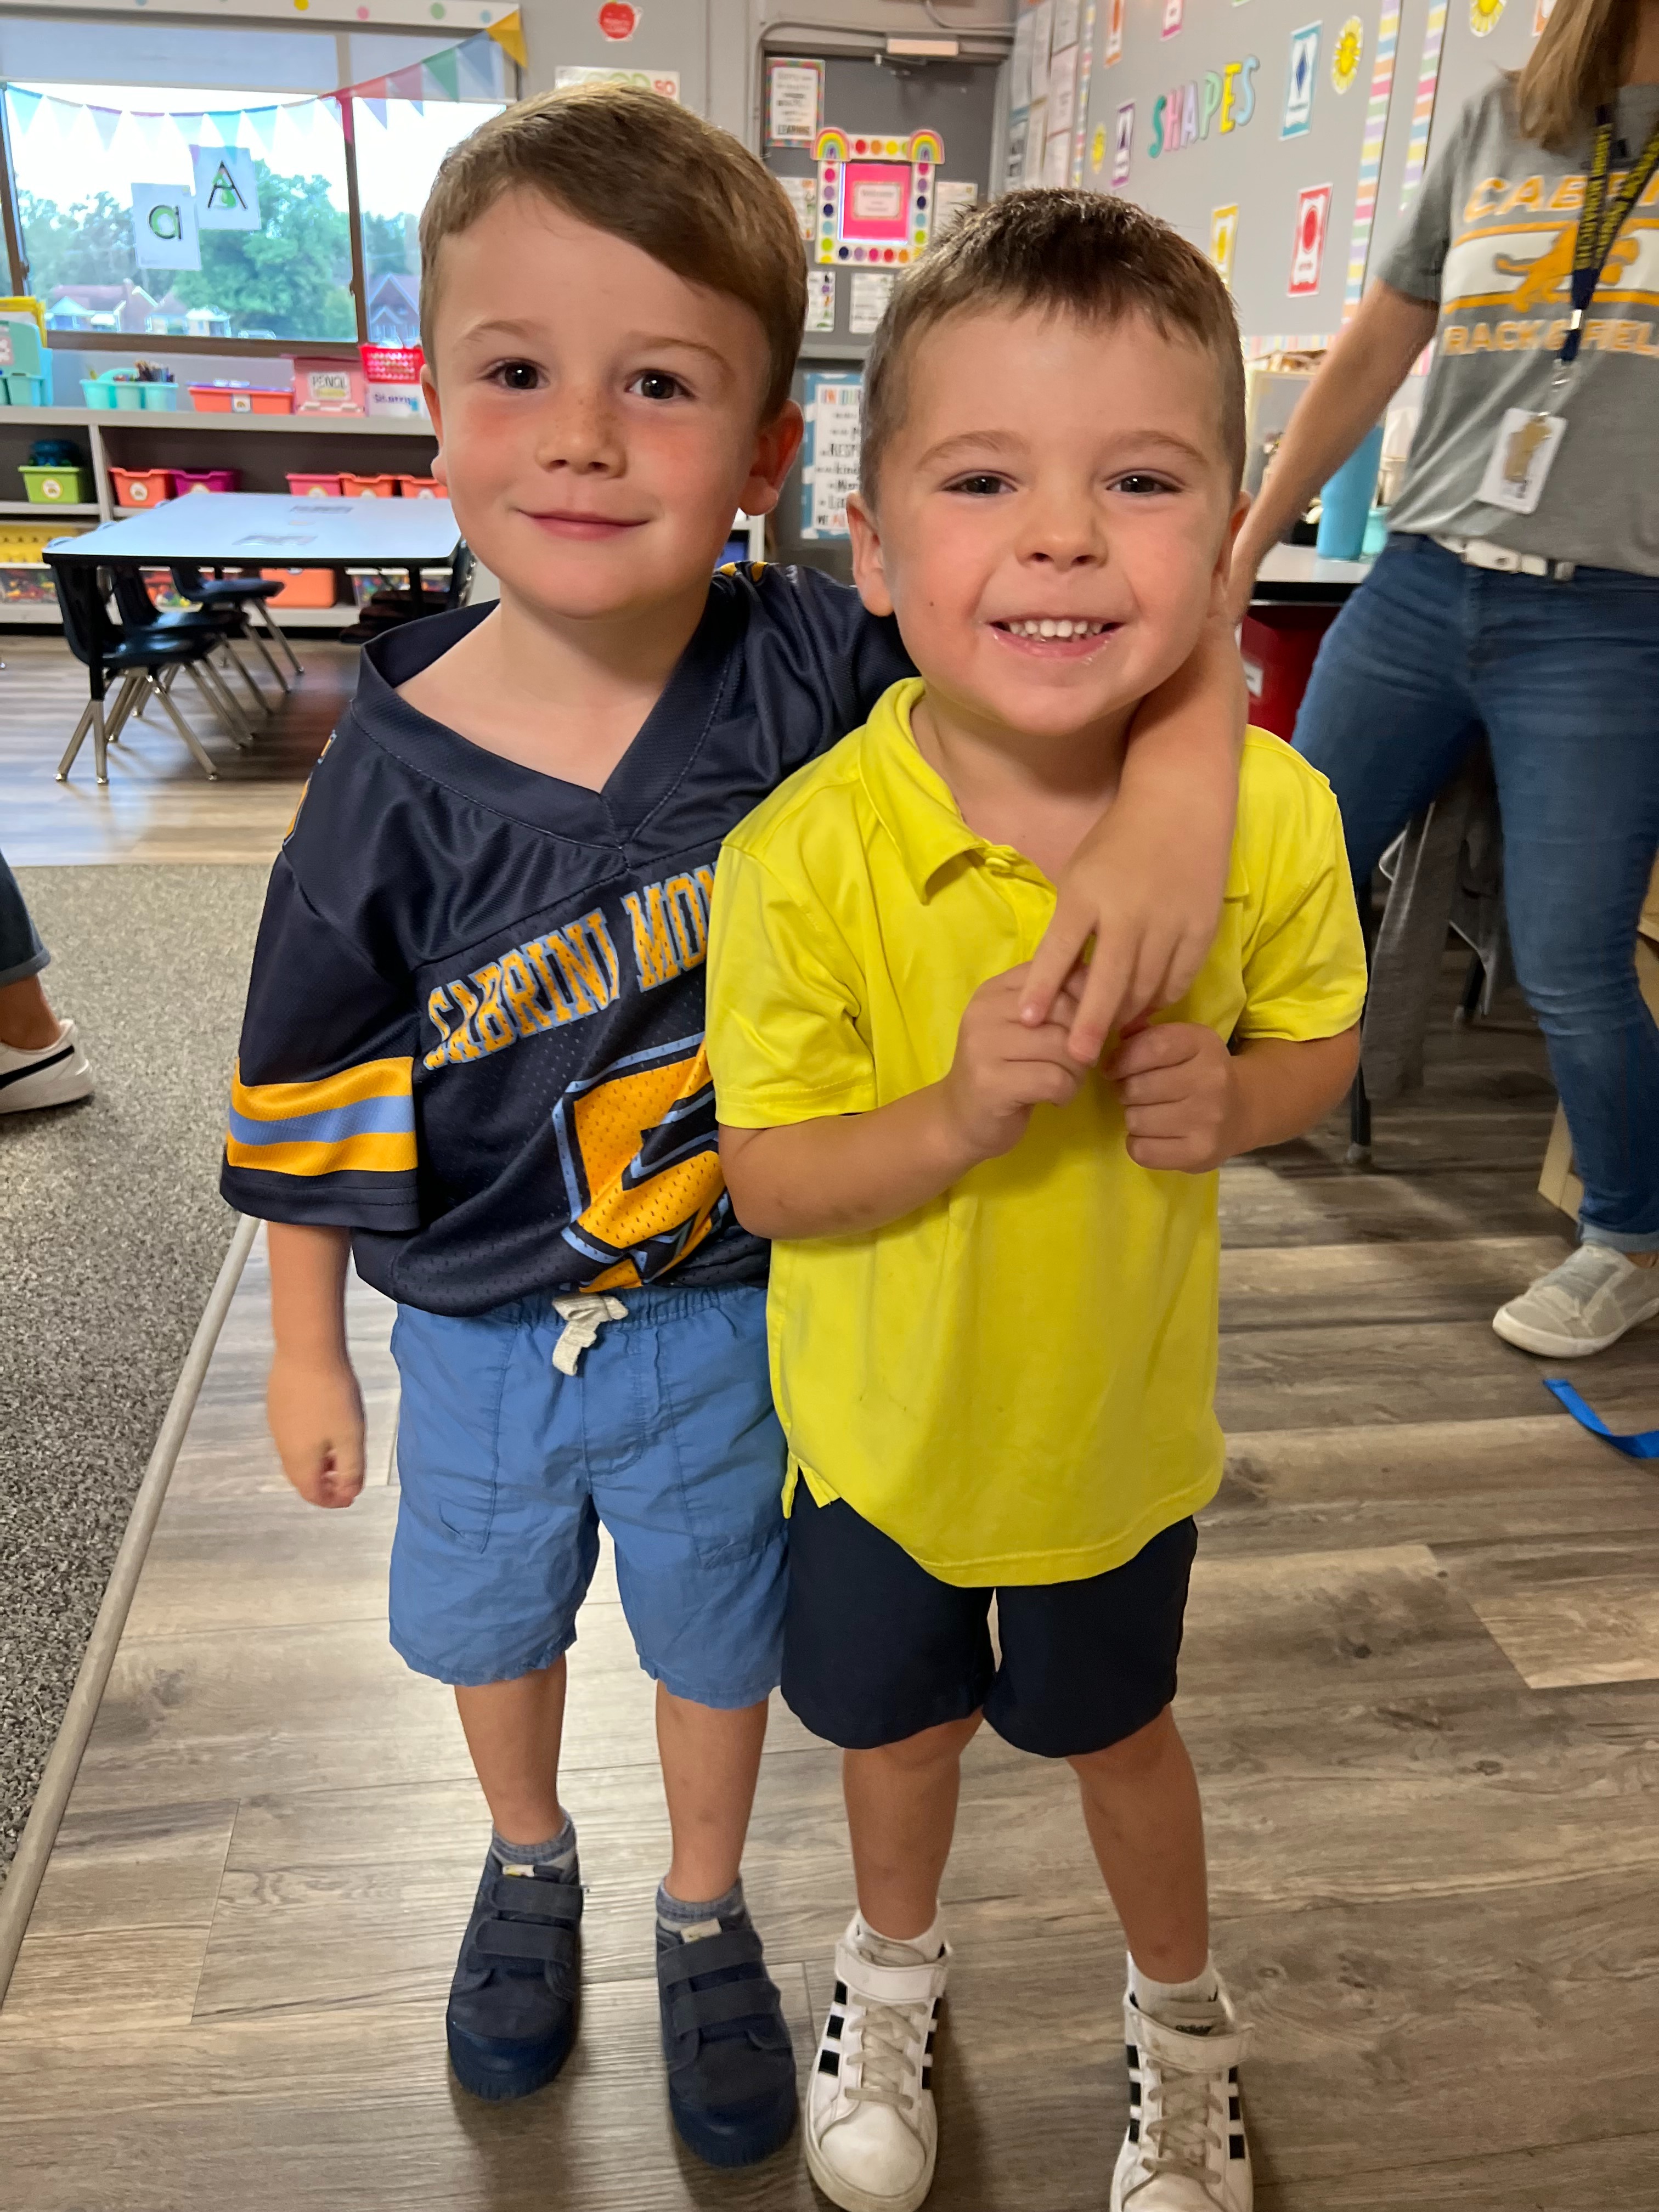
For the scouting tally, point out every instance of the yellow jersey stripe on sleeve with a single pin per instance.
(361, 1121)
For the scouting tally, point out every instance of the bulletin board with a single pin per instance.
(1282, 137)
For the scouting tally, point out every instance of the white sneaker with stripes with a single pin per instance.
(872, 2130)
(51, 1075)
(1186, 2150)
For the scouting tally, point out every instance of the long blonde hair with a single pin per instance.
(1578, 63)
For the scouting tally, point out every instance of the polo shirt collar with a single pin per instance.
(911, 801)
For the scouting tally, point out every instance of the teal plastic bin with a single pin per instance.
(97, 393)
(22, 390)
(158, 398)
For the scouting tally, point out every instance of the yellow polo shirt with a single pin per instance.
(1015, 1382)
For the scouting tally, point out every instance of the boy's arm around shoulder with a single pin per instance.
(1190, 1103)
(1146, 884)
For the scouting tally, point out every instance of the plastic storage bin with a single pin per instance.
(403, 402)
(420, 487)
(384, 364)
(188, 480)
(352, 487)
(20, 390)
(142, 487)
(56, 487)
(313, 487)
(242, 399)
(303, 587)
(98, 392)
(25, 364)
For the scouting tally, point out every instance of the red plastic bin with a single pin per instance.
(188, 480)
(313, 487)
(367, 487)
(142, 487)
(385, 364)
(420, 488)
(241, 399)
(1277, 645)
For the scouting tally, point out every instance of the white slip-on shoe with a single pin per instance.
(1583, 1306)
(1186, 2150)
(872, 2130)
(55, 1075)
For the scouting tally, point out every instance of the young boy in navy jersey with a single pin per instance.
(473, 1049)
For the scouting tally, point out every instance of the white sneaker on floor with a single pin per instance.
(1186, 2150)
(872, 2130)
(1583, 1306)
(56, 1075)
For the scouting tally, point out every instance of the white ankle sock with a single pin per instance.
(1161, 1999)
(878, 1948)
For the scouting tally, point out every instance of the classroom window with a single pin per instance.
(110, 248)
(399, 145)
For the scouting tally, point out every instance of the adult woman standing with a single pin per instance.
(1519, 590)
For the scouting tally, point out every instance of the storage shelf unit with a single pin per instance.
(263, 448)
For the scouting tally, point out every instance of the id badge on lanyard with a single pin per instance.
(1529, 440)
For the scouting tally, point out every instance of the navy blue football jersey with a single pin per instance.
(474, 1033)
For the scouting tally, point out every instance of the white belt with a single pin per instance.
(584, 1316)
(1481, 553)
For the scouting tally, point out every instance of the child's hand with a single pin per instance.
(1003, 1067)
(1181, 1106)
(316, 1414)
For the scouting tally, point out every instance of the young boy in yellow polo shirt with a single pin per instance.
(994, 1290)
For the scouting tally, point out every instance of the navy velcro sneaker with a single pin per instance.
(731, 2064)
(512, 2016)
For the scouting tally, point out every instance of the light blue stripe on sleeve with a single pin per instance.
(368, 1118)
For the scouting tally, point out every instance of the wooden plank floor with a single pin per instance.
(157, 806)
(1421, 1685)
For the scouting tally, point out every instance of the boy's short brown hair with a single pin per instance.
(645, 169)
(1086, 254)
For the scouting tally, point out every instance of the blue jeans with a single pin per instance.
(21, 953)
(1564, 678)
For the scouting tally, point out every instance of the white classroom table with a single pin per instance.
(254, 529)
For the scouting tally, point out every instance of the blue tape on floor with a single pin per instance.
(1645, 1446)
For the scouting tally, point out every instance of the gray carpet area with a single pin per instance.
(111, 1231)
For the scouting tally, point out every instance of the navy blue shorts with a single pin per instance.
(665, 1434)
(875, 1648)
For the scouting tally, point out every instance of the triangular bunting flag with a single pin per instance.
(444, 71)
(263, 122)
(228, 126)
(62, 113)
(106, 121)
(153, 130)
(478, 66)
(375, 88)
(377, 109)
(24, 106)
(408, 84)
(508, 35)
(190, 128)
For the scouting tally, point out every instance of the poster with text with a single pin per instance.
(802, 194)
(1299, 82)
(1114, 32)
(1123, 139)
(227, 194)
(795, 102)
(871, 289)
(1036, 142)
(1019, 62)
(829, 463)
(1313, 214)
(1062, 91)
(820, 299)
(1057, 158)
(953, 197)
(1043, 36)
(164, 230)
(1172, 14)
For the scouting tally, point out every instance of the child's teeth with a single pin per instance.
(1047, 626)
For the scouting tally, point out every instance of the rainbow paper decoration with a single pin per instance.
(1428, 80)
(1371, 157)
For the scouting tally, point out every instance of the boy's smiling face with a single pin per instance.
(1053, 516)
(597, 414)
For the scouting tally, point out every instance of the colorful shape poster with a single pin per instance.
(1313, 215)
(1223, 235)
(1172, 16)
(1371, 157)
(1483, 16)
(1299, 80)
(1114, 32)
(1123, 139)
(1347, 54)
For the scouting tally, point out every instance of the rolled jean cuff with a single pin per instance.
(37, 960)
(1620, 1240)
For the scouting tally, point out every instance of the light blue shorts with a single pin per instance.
(665, 1433)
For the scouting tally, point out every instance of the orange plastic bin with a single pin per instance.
(142, 487)
(420, 488)
(303, 587)
(367, 487)
(313, 487)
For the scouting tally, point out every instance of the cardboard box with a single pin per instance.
(1558, 1182)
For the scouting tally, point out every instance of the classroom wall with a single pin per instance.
(1245, 152)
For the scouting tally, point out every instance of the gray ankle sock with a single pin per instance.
(557, 1856)
(681, 1922)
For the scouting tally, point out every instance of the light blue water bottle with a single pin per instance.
(1347, 501)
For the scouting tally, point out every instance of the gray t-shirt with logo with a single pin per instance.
(1490, 236)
